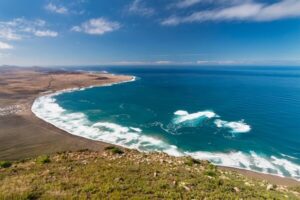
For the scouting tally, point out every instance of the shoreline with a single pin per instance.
(22, 134)
(50, 139)
(273, 178)
(129, 173)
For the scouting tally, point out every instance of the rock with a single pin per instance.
(270, 187)
(186, 188)
(46, 172)
(119, 179)
(236, 189)
(224, 177)
(155, 174)
(84, 162)
(174, 183)
(183, 184)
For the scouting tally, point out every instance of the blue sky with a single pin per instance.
(149, 32)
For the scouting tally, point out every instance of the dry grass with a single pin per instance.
(131, 175)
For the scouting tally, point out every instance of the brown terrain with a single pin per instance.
(23, 135)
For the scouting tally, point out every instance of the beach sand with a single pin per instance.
(23, 135)
(277, 180)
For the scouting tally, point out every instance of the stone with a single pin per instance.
(236, 189)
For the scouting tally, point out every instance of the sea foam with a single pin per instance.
(251, 161)
(77, 123)
(185, 119)
(235, 127)
(182, 116)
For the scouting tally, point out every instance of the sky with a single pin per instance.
(149, 32)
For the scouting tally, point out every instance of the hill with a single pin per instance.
(128, 174)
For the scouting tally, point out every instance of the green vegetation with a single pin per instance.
(5, 164)
(210, 173)
(191, 161)
(129, 175)
(43, 159)
(114, 150)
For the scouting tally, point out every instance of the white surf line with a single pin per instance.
(184, 116)
(46, 108)
(234, 126)
(77, 124)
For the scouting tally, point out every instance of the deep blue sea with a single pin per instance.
(243, 117)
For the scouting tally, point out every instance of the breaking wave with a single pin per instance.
(234, 127)
(252, 161)
(184, 119)
(77, 123)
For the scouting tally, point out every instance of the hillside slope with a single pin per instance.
(128, 174)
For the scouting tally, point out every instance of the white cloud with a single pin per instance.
(159, 62)
(187, 3)
(8, 34)
(20, 28)
(264, 62)
(5, 46)
(190, 3)
(219, 62)
(4, 55)
(129, 63)
(98, 26)
(163, 62)
(56, 9)
(46, 33)
(138, 7)
(282, 9)
(249, 11)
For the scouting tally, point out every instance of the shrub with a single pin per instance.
(191, 161)
(43, 159)
(5, 164)
(114, 150)
(83, 150)
(211, 167)
(210, 173)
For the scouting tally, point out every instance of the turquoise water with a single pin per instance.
(240, 117)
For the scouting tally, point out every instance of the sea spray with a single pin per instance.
(77, 123)
(234, 127)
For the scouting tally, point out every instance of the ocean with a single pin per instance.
(242, 117)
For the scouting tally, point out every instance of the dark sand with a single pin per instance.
(277, 180)
(23, 135)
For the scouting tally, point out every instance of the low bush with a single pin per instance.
(191, 161)
(133, 175)
(5, 164)
(43, 159)
(210, 173)
(114, 150)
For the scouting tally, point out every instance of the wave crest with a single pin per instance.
(251, 161)
(234, 127)
(77, 123)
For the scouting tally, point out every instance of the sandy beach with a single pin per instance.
(23, 135)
